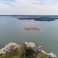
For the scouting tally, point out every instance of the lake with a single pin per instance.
(12, 30)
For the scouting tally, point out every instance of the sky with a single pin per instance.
(29, 7)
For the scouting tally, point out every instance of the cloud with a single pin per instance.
(29, 7)
(8, 0)
(4, 5)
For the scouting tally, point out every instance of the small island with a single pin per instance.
(26, 50)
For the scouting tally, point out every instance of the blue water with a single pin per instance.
(12, 30)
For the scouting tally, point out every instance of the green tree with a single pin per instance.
(29, 52)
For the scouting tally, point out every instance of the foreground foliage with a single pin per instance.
(12, 50)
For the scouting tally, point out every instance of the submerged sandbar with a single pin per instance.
(31, 29)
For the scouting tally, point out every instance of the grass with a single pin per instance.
(41, 54)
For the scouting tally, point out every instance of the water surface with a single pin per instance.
(12, 30)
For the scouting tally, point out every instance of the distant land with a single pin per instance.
(35, 17)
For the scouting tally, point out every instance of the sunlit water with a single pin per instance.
(12, 30)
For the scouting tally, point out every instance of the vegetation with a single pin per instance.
(41, 54)
(29, 52)
(24, 51)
